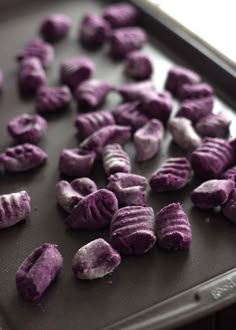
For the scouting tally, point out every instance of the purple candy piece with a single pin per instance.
(125, 40)
(138, 66)
(95, 260)
(14, 208)
(196, 91)
(230, 174)
(1, 80)
(178, 76)
(196, 109)
(120, 15)
(94, 31)
(173, 175)
(173, 229)
(135, 91)
(76, 162)
(52, 99)
(115, 159)
(211, 158)
(70, 194)
(75, 70)
(37, 48)
(129, 114)
(211, 193)
(22, 158)
(183, 133)
(213, 125)
(27, 128)
(38, 271)
(229, 208)
(54, 27)
(132, 230)
(110, 134)
(157, 105)
(94, 211)
(31, 75)
(130, 189)
(147, 140)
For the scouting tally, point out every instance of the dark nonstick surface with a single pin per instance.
(139, 282)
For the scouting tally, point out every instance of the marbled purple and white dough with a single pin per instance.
(55, 27)
(120, 14)
(214, 125)
(138, 66)
(115, 159)
(229, 208)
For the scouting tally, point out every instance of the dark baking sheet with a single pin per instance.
(139, 282)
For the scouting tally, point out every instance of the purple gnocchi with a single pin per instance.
(184, 134)
(213, 125)
(94, 31)
(70, 194)
(173, 174)
(135, 91)
(52, 99)
(130, 189)
(37, 48)
(132, 230)
(196, 91)
(89, 123)
(138, 66)
(211, 158)
(120, 15)
(76, 162)
(75, 70)
(125, 40)
(110, 134)
(147, 140)
(1, 80)
(95, 260)
(14, 208)
(173, 230)
(38, 271)
(27, 128)
(211, 193)
(230, 174)
(94, 211)
(55, 27)
(229, 208)
(115, 159)
(22, 158)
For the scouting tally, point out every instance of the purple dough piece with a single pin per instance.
(147, 140)
(213, 125)
(178, 76)
(229, 208)
(138, 66)
(70, 194)
(22, 158)
(1, 80)
(211, 193)
(94, 31)
(184, 134)
(135, 91)
(75, 70)
(211, 158)
(92, 93)
(157, 105)
(129, 114)
(196, 91)
(125, 40)
(194, 110)
(55, 27)
(129, 189)
(110, 134)
(14, 208)
(115, 159)
(132, 230)
(89, 123)
(38, 271)
(27, 128)
(52, 99)
(37, 48)
(120, 15)
(31, 75)
(173, 175)
(94, 211)
(230, 174)
(76, 162)
(95, 260)
(173, 229)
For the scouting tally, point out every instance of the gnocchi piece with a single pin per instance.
(138, 66)
(213, 125)
(55, 27)
(135, 91)
(195, 91)
(120, 15)
(115, 159)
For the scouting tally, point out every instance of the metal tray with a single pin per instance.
(160, 290)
